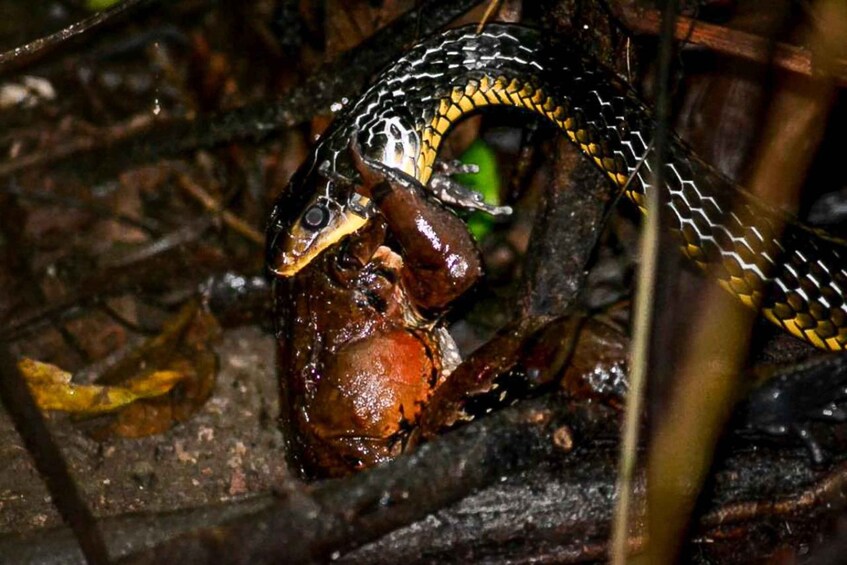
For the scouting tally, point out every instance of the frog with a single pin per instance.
(362, 342)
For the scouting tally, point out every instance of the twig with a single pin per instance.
(731, 42)
(48, 459)
(26, 54)
(829, 490)
(564, 236)
(210, 204)
(493, 5)
(645, 303)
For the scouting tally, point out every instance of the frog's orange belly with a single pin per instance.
(370, 392)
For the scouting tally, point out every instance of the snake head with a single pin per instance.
(317, 209)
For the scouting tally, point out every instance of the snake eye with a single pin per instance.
(315, 217)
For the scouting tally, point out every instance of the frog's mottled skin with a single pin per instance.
(361, 349)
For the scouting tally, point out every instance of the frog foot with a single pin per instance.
(451, 192)
(794, 396)
(833, 412)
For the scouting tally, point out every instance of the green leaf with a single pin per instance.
(486, 181)
(98, 5)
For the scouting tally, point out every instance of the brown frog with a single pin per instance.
(361, 345)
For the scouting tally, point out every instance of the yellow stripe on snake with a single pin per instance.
(795, 275)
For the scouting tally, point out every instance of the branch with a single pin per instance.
(52, 467)
(17, 58)
(731, 42)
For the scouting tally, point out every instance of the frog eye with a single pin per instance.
(316, 217)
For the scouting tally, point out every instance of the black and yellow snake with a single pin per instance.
(795, 275)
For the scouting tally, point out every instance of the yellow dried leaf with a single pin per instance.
(53, 390)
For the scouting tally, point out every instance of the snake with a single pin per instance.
(792, 273)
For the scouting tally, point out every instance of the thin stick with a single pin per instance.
(492, 6)
(48, 459)
(644, 303)
(731, 42)
(34, 50)
(229, 219)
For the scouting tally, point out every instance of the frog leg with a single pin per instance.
(440, 258)
(816, 452)
(451, 192)
(794, 396)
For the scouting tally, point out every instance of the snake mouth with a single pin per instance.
(295, 248)
(284, 266)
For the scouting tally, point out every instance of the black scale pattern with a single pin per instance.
(798, 281)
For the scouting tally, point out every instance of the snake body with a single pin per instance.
(793, 274)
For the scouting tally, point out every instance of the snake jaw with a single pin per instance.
(295, 239)
(299, 246)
